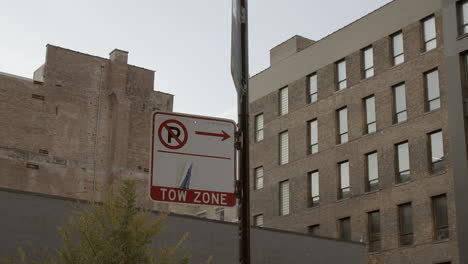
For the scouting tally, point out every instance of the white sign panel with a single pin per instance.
(193, 159)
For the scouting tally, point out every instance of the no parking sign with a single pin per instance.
(193, 159)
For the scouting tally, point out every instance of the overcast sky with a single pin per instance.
(187, 42)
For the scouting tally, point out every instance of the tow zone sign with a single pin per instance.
(193, 159)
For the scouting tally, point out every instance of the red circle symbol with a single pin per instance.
(173, 132)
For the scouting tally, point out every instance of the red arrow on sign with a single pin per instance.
(223, 135)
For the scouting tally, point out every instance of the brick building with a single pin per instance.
(362, 134)
(79, 124)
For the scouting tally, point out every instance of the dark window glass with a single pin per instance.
(314, 229)
(403, 163)
(399, 95)
(344, 190)
(437, 151)
(372, 172)
(374, 231)
(314, 181)
(432, 90)
(313, 92)
(345, 228)
(343, 125)
(439, 210)
(406, 224)
(371, 124)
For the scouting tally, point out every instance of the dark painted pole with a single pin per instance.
(243, 110)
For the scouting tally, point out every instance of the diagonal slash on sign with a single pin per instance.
(173, 134)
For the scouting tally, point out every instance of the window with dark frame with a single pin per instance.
(312, 88)
(398, 53)
(344, 190)
(342, 115)
(429, 33)
(258, 184)
(436, 141)
(283, 101)
(313, 136)
(314, 229)
(259, 127)
(399, 102)
(372, 183)
(314, 190)
(258, 220)
(432, 89)
(341, 74)
(368, 62)
(440, 216)
(403, 173)
(284, 197)
(369, 108)
(345, 228)
(405, 215)
(283, 148)
(374, 231)
(462, 10)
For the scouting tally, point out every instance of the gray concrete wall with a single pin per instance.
(454, 46)
(33, 217)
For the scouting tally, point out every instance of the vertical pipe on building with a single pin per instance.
(96, 131)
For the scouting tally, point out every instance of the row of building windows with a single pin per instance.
(370, 122)
(367, 58)
(405, 220)
(402, 172)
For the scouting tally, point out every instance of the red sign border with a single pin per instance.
(153, 117)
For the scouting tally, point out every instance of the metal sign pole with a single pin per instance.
(243, 104)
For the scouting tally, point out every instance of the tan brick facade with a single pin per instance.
(423, 185)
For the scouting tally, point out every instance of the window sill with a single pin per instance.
(372, 192)
(462, 36)
(313, 206)
(441, 241)
(398, 184)
(435, 174)
(343, 199)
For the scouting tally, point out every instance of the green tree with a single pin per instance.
(116, 231)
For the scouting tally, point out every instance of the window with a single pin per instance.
(284, 197)
(258, 220)
(399, 96)
(314, 183)
(439, 212)
(374, 231)
(314, 230)
(313, 92)
(344, 190)
(341, 74)
(259, 127)
(406, 224)
(368, 61)
(429, 33)
(284, 148)
(372, 172)
(345, 228)
(219, 212)
(463, 17)
(437, 151)
(258, 184)
(283, 101)
(397, 48)
(313, 133)
(432, 90)
(371, 123)
(343, 125)
(403, 165)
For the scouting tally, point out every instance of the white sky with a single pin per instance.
(187, 42)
